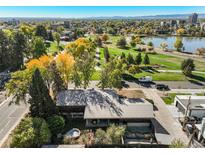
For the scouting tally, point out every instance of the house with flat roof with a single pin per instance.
(101, 108)
(194, 106)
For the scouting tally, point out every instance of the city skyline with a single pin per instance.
(95, 11)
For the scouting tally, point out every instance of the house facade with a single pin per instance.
(194, 106)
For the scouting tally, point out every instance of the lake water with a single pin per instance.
(190, 43)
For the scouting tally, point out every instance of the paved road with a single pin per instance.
(172, 84)
(179, 71)
(167, 127)
(10, 116)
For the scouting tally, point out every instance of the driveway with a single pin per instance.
(167, 127)
(10, 116)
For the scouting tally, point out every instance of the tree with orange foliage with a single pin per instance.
(65, 63)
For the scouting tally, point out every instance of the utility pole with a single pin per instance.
(186, 112)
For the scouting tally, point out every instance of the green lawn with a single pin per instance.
(169, 99)
(54, 48)
(163, 76)
(167, 62)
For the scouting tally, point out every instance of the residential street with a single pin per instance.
(172, 84)
(10, 116)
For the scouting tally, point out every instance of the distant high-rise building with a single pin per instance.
(193, 18)
(67, 24)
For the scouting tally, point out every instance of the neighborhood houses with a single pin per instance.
(103, 82)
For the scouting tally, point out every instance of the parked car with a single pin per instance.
(145, 79)
(162, 87)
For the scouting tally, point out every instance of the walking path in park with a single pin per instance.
(179, 71)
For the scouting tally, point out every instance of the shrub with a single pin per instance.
(133, 44)
(56, 124)
(150, 44)
(177, 143)
(112, 135)
(133, 69)
(31, 132)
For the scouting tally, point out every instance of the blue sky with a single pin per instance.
(94, 11)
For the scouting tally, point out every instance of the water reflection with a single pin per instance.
(190, 43)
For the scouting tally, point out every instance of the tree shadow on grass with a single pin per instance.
(197, 77)
(196, 82)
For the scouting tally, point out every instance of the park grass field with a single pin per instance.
(167, 62)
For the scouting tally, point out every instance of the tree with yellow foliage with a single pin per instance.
(78, 47)
(65, 63)
(181, 31)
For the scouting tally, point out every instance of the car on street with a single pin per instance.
(145, 79)
(162, 87)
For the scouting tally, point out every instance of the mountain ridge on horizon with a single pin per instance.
(165, 16)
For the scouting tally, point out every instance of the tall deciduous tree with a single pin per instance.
(41, 104)
(187, 67)
(65, 63)
(5, 54)
(41, 31)
(178, 44)
(19, 49)
(86, 66)
(122, 43)
(38, 47)
(57, 38)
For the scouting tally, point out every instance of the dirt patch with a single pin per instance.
(131, 93)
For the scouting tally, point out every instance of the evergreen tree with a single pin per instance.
(106, 54)
(41, 104)
(146, 59)
(123, 55)
(138, 59)
(130, 59)
(50, 36)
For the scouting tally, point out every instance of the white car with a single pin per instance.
(145, 79)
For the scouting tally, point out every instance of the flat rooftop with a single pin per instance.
(105, 104)
(197, 102)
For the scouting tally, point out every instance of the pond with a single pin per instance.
(190, 43)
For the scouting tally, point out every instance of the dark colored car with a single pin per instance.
(162, 87)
